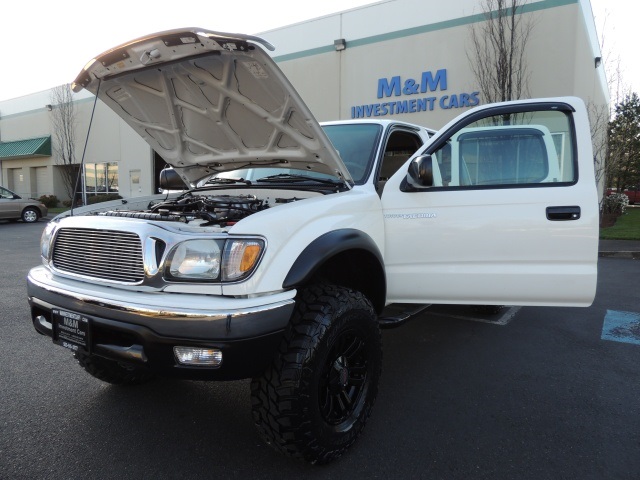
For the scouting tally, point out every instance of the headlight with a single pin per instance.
(214, 260)
(196, 260)
(45, 242)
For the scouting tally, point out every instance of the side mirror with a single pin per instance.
(170, 180)
(420, 174)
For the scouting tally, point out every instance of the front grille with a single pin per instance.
(101, 254)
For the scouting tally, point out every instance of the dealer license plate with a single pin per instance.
(71, 330)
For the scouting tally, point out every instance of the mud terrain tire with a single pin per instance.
(314, 400)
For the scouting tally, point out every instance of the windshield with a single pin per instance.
(356, 143)
(253, 174)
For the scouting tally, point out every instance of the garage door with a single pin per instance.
(18, 184)
(42, 181)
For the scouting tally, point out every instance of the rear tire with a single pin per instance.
(314, 400)
(30, 215)
(112, 372)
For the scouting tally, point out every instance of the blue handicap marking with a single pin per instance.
(621, 327)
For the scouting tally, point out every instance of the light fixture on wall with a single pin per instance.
(48, 107)
(340, 44)
(598, 61)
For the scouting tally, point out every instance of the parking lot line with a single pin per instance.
(621, 327)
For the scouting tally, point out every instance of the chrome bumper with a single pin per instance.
(191, 316)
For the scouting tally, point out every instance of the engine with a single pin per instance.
(220, 210)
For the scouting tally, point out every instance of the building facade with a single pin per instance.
(116, 159)
(402, 59)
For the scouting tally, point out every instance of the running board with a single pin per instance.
(400, 318)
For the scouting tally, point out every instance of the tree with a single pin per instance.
(599, 122)
(601, 114)
(63, 120)
(623, 156)
(497, 55)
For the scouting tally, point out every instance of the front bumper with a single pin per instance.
(141, 328)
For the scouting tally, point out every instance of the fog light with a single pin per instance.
(202, 357)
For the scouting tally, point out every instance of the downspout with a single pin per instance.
(341, 81)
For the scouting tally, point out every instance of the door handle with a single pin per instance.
(563, 213)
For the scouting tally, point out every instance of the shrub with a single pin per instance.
(49, 201)
(102, 198)
(615, 204)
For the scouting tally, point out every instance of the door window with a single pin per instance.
(4, 193)
(400, 146)
(509, 150)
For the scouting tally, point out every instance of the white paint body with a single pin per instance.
(213, 104)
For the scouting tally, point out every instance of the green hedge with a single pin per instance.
(107, 197)
(49, 201)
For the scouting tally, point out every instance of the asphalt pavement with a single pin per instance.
(529, 393)
(619, 248)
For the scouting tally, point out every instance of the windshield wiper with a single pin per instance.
(288, 177)
(226, 181)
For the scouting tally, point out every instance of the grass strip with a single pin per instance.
(627, 227)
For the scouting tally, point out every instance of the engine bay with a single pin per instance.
(220, 210)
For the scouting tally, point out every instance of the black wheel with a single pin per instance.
(112, 372)
(314, 400)
(30, 215)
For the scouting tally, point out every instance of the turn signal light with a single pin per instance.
(249, 257)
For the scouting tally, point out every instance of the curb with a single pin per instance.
(632, 255)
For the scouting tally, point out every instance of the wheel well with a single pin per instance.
(356, 269)
(346, 257)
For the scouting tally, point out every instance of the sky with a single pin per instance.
(617, 24)
(45, 43)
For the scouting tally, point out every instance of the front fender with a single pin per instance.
(325, 247)
(310, 225)
(347, 257)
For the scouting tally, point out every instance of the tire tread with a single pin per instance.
(277, 402)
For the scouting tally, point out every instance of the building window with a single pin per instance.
(101, 178)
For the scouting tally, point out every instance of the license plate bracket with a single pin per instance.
(71, 330)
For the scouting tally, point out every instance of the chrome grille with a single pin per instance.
(101, 254)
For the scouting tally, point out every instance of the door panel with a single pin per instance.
(511, 219)
(135, 190)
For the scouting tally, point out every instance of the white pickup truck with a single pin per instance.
(278, 260)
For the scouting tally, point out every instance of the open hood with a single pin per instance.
(210, 102)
